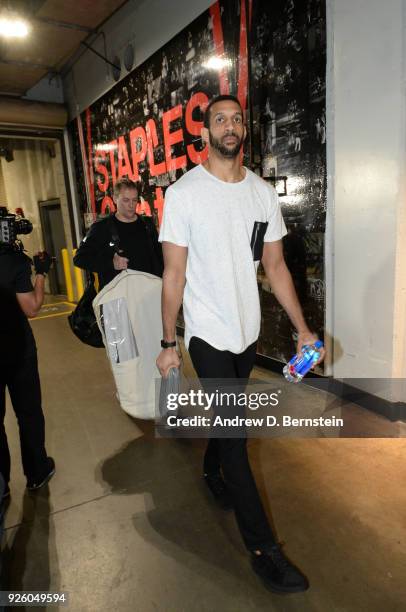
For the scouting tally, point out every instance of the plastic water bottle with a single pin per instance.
(301, 363)
(169, 384)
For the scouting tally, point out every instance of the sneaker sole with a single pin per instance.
(44, 482)
(276, 588)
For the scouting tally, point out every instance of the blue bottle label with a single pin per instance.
(304, 364)
(301, 364)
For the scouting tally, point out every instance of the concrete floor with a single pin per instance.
(126, 523)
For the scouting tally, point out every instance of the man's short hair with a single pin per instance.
(124, 183)
(206, 117)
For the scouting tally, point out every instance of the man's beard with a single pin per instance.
(229, 153)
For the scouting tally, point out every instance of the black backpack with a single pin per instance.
(83, 321)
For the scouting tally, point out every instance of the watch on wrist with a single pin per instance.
(165, 344)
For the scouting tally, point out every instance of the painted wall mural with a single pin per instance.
(288, 98)
(147, 127)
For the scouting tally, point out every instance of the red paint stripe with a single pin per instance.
(243, 60)
(84, 161)
(90, 159)
(218, 39)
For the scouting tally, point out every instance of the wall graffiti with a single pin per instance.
(147, 127)
(288, 66)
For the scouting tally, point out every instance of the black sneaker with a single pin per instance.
(219, 490)
(278, 573)
(35, 485)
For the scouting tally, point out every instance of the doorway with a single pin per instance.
(54, 241)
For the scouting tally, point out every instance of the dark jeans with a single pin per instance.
(230, 454)
(2, 489)
(22, 380)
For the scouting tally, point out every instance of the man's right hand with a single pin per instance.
(168, 358)
(120, 263)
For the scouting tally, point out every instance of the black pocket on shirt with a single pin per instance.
(257, 239)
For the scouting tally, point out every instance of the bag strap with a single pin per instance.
(114, 234)
(147, 224)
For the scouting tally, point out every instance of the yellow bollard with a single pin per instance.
(68, 278)
(79, 278)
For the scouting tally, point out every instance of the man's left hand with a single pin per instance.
(308, 338)
(42, 262)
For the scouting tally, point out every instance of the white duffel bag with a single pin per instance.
(128, 313)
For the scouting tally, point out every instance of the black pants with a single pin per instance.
(22, 381)
(230, 454)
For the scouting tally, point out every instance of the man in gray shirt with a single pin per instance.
(220, 220)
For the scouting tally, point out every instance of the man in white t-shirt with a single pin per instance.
(220, 219)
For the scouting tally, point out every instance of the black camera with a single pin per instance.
(11, 226)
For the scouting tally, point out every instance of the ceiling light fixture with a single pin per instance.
(13, 28)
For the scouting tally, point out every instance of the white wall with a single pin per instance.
(147, 24)
(369, 159)
(32, 177)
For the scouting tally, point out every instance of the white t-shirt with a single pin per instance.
(215, 220)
